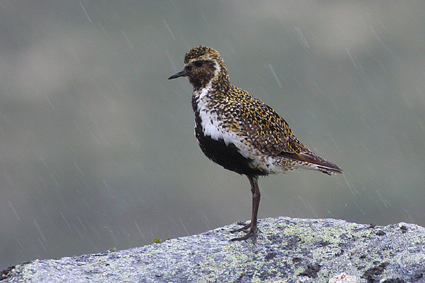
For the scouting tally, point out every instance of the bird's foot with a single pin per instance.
(245, 227)
(252, 233)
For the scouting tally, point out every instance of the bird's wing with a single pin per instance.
(270, 134)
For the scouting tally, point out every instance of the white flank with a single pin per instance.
(212, 126)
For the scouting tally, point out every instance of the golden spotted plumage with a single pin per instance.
(240, 132)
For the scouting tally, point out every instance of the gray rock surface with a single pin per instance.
(287, 250)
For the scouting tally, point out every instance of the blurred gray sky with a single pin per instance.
(97, 148)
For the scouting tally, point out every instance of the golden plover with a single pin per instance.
(238, 131)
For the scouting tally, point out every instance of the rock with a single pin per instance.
(287, 250)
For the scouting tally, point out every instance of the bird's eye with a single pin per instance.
(198, 63)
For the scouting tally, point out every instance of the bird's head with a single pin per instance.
(202, 66)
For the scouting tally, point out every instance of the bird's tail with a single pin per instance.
(314, 161)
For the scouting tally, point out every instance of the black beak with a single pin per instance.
(182, 73)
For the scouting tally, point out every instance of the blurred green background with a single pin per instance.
(97, 148)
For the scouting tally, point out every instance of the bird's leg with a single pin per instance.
(253, 180)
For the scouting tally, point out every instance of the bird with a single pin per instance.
(240, 132)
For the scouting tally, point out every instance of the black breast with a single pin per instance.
(226, 155)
